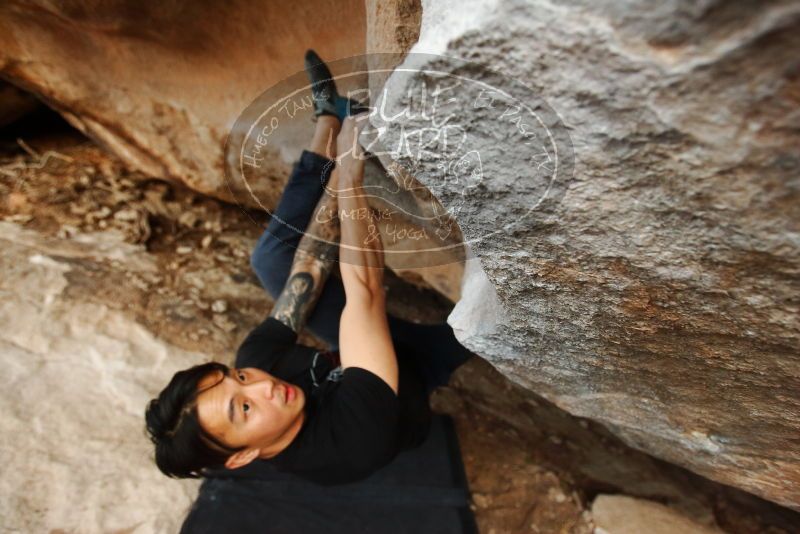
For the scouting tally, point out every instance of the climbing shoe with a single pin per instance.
(327, 100)
(347, 106)
(323, 88)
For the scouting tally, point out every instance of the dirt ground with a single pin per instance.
(530, 467)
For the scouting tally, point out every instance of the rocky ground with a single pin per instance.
(119, 278)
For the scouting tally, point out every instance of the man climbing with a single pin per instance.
(330, 417)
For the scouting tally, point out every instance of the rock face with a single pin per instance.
(159, 85)
(77, 376)
(616, 514)
(655, 287)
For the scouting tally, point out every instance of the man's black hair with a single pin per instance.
(183, 448)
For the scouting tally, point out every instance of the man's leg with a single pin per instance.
(300, 196)
(274, 252)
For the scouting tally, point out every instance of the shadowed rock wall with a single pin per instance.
(160, 84)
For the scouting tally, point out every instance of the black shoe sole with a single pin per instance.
(323, 88)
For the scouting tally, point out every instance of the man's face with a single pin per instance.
(250, 408)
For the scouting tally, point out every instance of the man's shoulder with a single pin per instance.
(350, 430)
(264, 344)
(270, 331)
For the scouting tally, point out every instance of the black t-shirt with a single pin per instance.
(354, 424)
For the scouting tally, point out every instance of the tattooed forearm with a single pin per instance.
(292, 304)
(313, 262)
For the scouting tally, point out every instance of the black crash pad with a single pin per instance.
(422, 490)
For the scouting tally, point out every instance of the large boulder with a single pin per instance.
(159, 84)
(654, 288)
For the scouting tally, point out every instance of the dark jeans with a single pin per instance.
(436, 350)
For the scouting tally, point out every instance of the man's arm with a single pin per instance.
(364, 338)
(313, 262)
